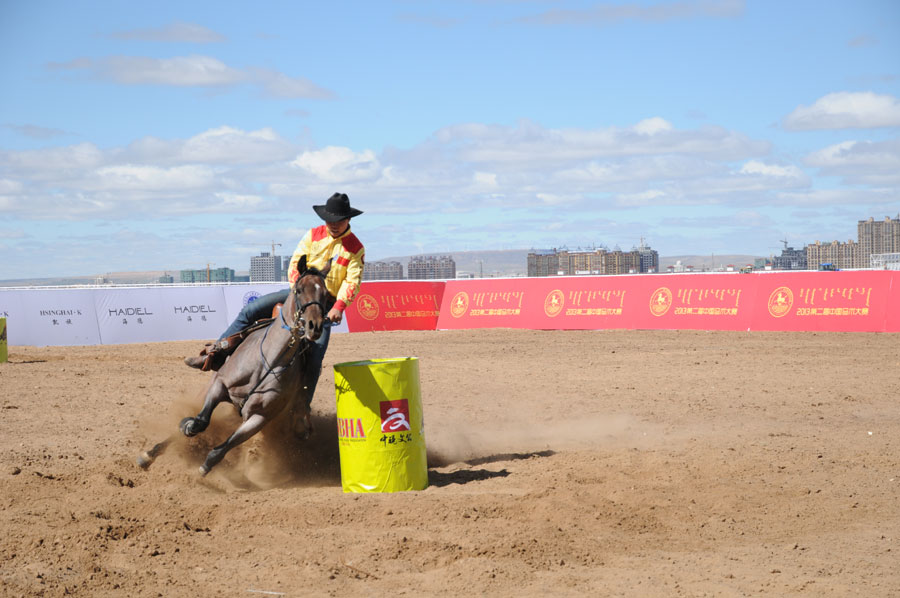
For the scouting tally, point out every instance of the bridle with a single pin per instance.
(298, 319)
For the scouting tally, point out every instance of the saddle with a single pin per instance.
(213, 355)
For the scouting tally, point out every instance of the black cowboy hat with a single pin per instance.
(336, 208)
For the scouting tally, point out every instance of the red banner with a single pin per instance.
(844, 301)
(678, 301)
(837, 301)
(892, 321)
(406, 305)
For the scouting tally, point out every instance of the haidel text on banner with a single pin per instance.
(381, 433)
(3, 349)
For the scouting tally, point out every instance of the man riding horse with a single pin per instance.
(331, 243)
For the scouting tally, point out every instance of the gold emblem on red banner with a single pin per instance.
(367, 306)
(780, 302)
(459, 305)
(554, 303)
(660, 301)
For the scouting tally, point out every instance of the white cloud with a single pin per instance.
(339, 164)
(279, 85)
(9, 186)
(53, 161)
(173, 32)
(485, 179)
(36, 132)
(230, 145)
(867, 198)
(846, 110)
(652, 126)
(602, 14)
(180, 71)
(860, 162)
(193, 71)
(754, 167)
(226, 170)
(151, 178)
(528, 143)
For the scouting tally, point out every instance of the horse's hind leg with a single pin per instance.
(147, 458)
(247, 429)
(215, 394)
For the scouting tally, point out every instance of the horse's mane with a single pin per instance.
(312, 270)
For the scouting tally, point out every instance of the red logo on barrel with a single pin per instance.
(395, 416)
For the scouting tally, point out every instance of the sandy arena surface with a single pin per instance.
(561, 463)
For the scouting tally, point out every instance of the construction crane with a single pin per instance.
(274, 244)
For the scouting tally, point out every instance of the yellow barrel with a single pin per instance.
(3, 349)
(381, 430)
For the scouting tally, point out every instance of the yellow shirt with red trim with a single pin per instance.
(347, 268)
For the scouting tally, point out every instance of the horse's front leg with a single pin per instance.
(216, 392)
(146, 458)
(247, 429)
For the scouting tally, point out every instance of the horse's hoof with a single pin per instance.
(203, 471)
(190, 427)
(144, 460)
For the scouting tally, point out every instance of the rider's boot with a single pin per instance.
(205, 360)
(213, 356)
(196, 362)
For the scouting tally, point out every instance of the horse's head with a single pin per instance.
(310, 295)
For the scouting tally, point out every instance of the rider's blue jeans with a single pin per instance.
(262, 308)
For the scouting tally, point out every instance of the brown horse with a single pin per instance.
(266, 373)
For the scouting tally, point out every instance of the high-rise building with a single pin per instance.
(877, 237)
(842, 256)
(543, 262)
(265, 268)
(383, 271)
(430, 267)
(565, 262)
(208, 275)
(790, 259)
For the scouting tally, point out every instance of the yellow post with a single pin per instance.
(381, 429)
(3, 349)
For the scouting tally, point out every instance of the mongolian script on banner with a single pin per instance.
(834, 301)
(408, 305)
(595, 303)
(496, 303)
(708, 302)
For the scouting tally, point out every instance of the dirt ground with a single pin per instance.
(617, 463)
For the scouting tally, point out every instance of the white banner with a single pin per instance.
(111, 315)
(60, 317)
(13, 309)
(194, 313)
(236, 297)
(132, 316)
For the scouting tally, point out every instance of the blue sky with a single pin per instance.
(168, 135)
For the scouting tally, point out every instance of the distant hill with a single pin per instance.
(110, 277)
(510, 262)
(501, 263)
(514, 262)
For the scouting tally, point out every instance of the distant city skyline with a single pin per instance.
(172, 135)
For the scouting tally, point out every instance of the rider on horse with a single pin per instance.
(331, 242)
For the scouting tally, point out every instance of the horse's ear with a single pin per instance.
(327, 267)
(301, 265)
